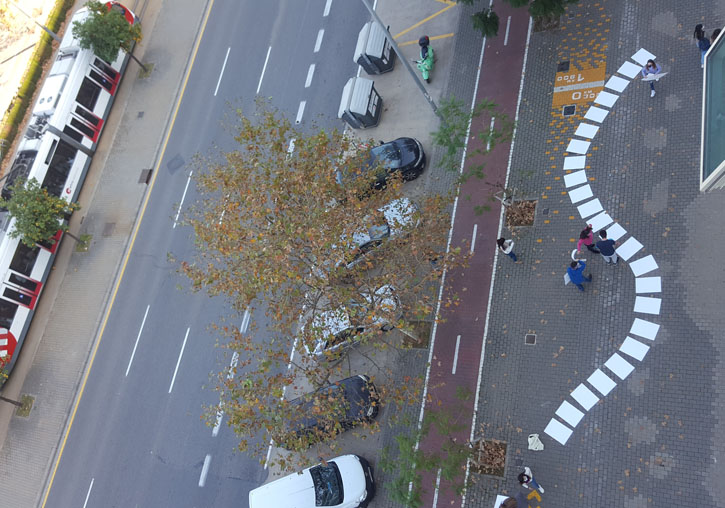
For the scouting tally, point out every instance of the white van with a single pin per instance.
(343, 482)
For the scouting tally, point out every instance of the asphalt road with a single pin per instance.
(138, 438)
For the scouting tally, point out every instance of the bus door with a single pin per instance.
(20, 289)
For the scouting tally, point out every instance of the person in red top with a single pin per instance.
(586, 238)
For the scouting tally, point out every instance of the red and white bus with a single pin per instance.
(56, 149)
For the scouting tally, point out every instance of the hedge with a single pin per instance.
(14, 116)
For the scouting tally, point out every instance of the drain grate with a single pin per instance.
(545, 211)
(140, 114)
(108, 228)
(562, 66)
(145, 176)
(569, 110)
(530, 339)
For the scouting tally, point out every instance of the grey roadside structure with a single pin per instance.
(70, 312)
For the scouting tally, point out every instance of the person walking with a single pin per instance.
(606, 248)
(703, 43)
(651, 68)
(527, 480)
(507, 247)
(586, 238)
(576, 274)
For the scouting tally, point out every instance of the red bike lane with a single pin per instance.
(458, 342)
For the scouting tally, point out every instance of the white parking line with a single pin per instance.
(490, 133)
(133, 353)
(473, 238)
(318, 42)
(181, 353)
(455, 355)
(183, 196)
(264, 68)
(224, 66)
(245, 321)
(438, 486)
(310, 73)
(89, 492)
(327, 8)
(508, 27)
(232, 365)
(300, 111)
(204, 470)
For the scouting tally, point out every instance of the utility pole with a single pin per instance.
(47, 30)
(407, 65)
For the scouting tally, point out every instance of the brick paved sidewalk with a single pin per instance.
(652, 441)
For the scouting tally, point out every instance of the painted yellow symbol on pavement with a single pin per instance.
(578, 86)
(448, 4)
(533, 494)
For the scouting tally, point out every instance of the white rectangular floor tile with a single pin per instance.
(648, 284)
(621, 367)
(599, 222)
(596, 114)
(615, 232)
(586, 130)
(643, 265)
(578, 146)
(575, 162)
(645, 329)
(617, 84)
(576, 178)
(569, 414)
(606, 99)
(580, 193)
(584, 396)
(647, 305)
(634, 348)
(589, 208)
(628, 248)
(558, 431)
(629, 69)
(642, 56)
(601, 382)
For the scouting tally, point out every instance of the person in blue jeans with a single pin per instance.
(507, 247)
(651, 68)
(576, 274)
(527, 480)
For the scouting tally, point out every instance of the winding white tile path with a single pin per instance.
(634, 348)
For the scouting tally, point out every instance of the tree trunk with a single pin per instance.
(139, 62)
(19, 404)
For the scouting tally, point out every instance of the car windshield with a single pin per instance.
(328, 485)
(388, 155)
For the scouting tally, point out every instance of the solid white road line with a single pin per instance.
(473, 238)
(310, 73)
(264, 68)
(89, 492)
(455, 355)
(300, 111)
(318, 42)
(224, 66)
(438, 485)
(327, 8)
(204, 470)
(490, 133)
(508, 27)
(232, 365)
(181, 353)
(133, 353)
(183, 196)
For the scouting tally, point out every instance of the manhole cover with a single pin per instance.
(562, 66)
(530, 339)
(545, 211)
(569, 110)
(175, 163)
(140, 114)
(108, 228)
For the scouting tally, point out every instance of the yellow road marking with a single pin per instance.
(435, 38)
(444, 9)
(128, 255)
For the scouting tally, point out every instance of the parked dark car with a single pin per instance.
(355, 400)
(403, 155)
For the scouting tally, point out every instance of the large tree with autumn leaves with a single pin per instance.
(275, 229)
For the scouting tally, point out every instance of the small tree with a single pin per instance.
(106, 31)
(38, 215)
(486, 20)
